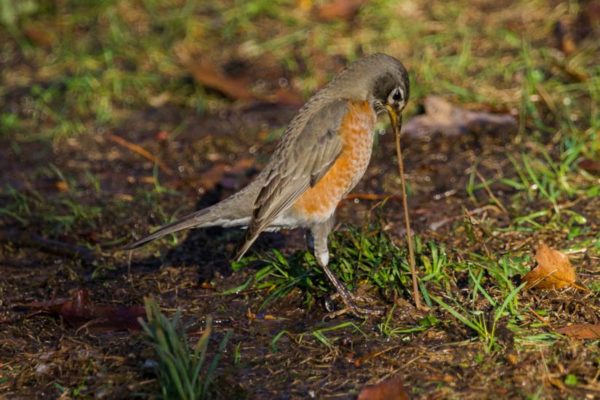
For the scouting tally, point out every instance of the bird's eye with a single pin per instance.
(396, 96)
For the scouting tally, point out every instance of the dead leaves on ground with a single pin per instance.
(589, 165)
(235, 86)
(554, 270)
(581, 331)
(442, 117)
(79, 311)
(338, 10)
(226, 175)
(388, 389)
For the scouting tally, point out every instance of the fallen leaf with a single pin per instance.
(512, 359)
(441, 117)
(389, 389)
(79, 311)
(339, 9)
(286, 95)
(234, 86)
(591, 166)
(224, 174)
(237, 88)
(581, 331)
(40, 35)
(554, 270)
(62, 186)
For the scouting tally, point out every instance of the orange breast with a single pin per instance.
(356, 130)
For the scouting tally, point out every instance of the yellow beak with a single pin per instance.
(395, 119)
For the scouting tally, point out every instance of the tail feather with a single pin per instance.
(248, 242)
(233, 211)
(189, 221)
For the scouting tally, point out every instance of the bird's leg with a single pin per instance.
(318, 239)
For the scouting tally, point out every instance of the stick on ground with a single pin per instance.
(136, 148)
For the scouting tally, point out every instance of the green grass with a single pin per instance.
(184, 372)
(326, 336)
(483, 323)
(367, 255)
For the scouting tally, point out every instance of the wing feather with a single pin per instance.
(299, 163)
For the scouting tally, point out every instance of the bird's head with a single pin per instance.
(390, 88)
(380, 79)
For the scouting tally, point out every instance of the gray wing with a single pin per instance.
(299, 163)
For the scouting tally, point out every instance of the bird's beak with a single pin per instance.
(395, 118)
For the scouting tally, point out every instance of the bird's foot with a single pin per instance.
(350, 306)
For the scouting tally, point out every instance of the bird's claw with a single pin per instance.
(351, 308)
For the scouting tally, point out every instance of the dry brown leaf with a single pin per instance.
(80, 311)
(339, 9)
(286, 95)
(221, 173)
(589, 165)
(62, 186)
(40, 35)
(581, 331)
(389, 389)
(442, 117)
(554, 270)
(238, 87)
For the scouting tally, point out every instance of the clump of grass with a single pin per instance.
(484, 324)
(365, 256)
(359, 256)
(183, 372)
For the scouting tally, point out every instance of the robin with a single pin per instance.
(322, 155)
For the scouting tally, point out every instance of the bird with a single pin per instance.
(321, 156)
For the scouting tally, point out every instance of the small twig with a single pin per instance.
(141, 151)
(411, 252)
(370, 356)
